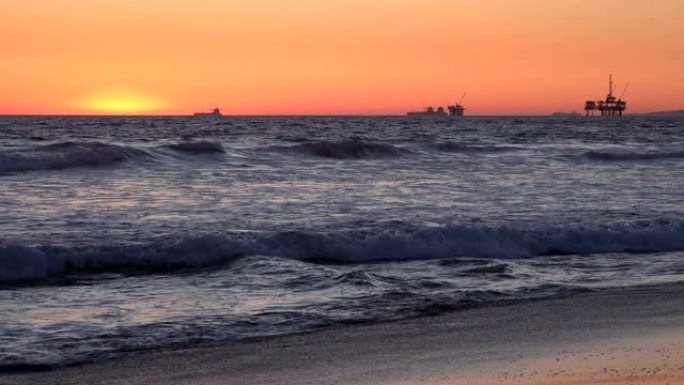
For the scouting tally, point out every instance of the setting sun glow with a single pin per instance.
(121, 102)
(337, 56)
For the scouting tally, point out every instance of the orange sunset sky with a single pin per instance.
(336, 56)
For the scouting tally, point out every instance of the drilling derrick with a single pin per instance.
(611, 106)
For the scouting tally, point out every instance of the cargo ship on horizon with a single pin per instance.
(215, 112)
(455, 110)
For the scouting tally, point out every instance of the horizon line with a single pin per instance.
(551, 114)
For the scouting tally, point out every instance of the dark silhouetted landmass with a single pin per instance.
(566, 114)
(666, 113)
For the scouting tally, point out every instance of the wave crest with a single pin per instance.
(67, 155)
(34, 263)
(201, 147)
(345, 149)
(633, 156)
(450, 146)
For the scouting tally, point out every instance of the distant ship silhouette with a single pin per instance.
(455, 110)
(215, 112)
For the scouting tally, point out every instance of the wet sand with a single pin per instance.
(617, 336)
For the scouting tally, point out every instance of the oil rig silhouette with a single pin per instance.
(612, 106)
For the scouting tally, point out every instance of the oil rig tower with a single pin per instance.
(612, 106)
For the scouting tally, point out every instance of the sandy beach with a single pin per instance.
(617, 336)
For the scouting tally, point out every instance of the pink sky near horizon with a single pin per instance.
(335, 56)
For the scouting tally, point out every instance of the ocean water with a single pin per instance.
(125, 234)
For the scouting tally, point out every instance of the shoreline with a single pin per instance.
(602, 337)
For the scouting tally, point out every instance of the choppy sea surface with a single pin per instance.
(119, 234)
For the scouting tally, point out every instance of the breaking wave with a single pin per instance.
(18, 262)
(67, 155)
(344, 149)
(633, 156)
(201, 147)
(64, 155)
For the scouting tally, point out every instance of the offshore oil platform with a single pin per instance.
(612, 106)
(455, 110)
